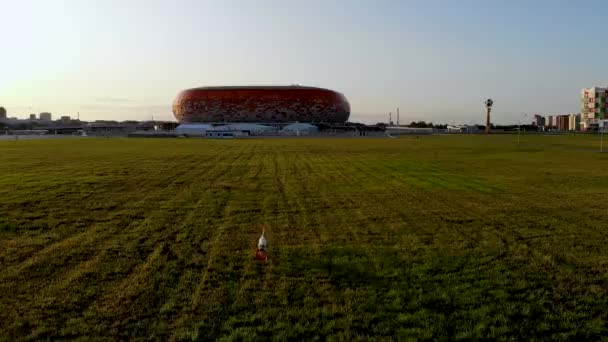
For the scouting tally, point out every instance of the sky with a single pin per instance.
(435, 60)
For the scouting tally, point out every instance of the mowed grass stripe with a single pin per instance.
(131, 201)
(208, 297)
(95, 239)
(120, 251)
(148, 195)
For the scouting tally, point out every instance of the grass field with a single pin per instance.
(442, 237)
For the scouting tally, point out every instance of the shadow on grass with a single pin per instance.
(390, 292)
(344, 267)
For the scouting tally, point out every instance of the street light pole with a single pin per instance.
(489, 104)
(601, 129)
(518, 131)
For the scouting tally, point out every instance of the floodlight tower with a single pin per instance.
(489, 104)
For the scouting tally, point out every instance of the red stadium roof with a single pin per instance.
(261, 104)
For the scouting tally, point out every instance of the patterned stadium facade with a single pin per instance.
(259, 104)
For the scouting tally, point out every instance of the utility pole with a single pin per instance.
(390, 119)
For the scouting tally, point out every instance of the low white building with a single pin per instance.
(193, 129)
(203, 129)
(247, 128)
(300, 128)
(454, 129)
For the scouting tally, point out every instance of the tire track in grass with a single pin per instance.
(287, 201)
(353, 218)
(389, 190)
(24, 247)
(474, 194)
(344, 215)
(209, 195)
(256, 282)
(447, 209)
(117, 257)
(349, 257)
(27, 244)
(155, 216)
(179, 199)
(304, 228)
(421, 196)
(87, 238)
(400, 197)
(225, 251)
(20, 286)
(241, 277)
(132, 200)
(215, 215)
(455, 210)
(276, 288)
(317, 234)
(302, 237)
(378, 202)
(184, 312)
(311, 288)
(399, 210)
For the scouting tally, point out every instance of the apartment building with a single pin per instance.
(593, 106)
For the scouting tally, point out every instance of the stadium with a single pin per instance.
(258, 109)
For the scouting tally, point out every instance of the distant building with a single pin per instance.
(539, 121)
(549, 122)
(33, 117)
(65, 119)
(574, 122)
(593, 106)
(46, 116)
(453, 129)
(2, 113)
(562, 122)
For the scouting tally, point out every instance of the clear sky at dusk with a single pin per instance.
(436, 60)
